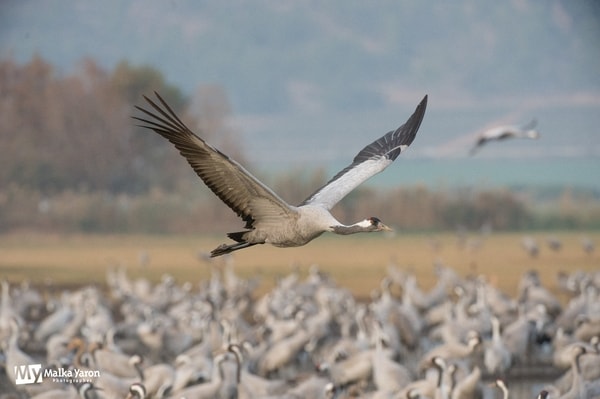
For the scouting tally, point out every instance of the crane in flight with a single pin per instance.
(500, 133)
(270, 219)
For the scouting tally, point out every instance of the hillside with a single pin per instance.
(272, 57)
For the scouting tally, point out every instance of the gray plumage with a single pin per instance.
(450, 351)
(268, 218)
(468, 386)
(578, 384)
(496, 357)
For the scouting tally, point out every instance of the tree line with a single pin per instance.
(75, 132)
(72, 159)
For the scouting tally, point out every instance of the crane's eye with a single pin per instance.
(374, 221)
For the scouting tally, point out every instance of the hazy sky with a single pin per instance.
(301, 51)
(318, 80)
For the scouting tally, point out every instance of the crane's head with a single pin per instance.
(528, 130)
(374, 224)
(532, 134)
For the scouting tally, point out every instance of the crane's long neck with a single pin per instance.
(496, 330)
(442, 389)
(504, 391)
(364, 226)
(576, 381)
(351, 229)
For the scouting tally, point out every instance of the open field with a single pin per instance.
(357, 263)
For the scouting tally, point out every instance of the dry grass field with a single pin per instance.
(357, 263)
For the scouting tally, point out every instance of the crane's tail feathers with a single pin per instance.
(226, 249)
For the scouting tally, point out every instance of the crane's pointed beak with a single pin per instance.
(384, 227)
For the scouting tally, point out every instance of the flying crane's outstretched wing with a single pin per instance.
(233, 184)
(371, 160)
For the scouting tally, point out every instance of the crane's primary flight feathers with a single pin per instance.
(269, 219)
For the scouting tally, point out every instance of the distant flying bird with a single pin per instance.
(269, 219)
(506, 132)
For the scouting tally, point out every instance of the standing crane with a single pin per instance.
(269, 219)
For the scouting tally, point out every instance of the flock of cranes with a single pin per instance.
(305, 338)
(533, 248)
